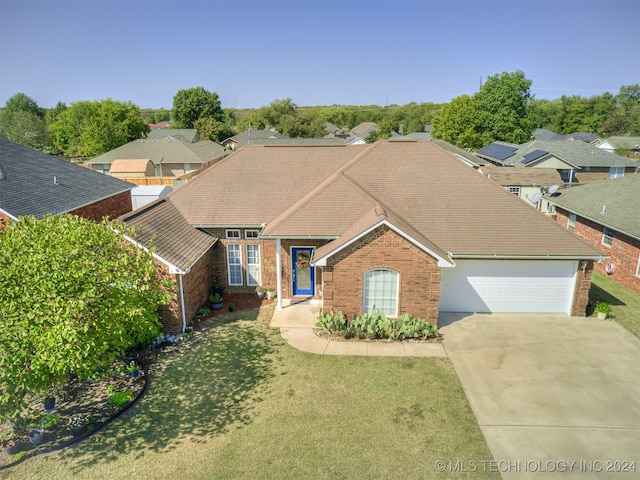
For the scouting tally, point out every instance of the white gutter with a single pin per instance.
(15, 219)
(183, 311)
(527, 257)
(595, 220)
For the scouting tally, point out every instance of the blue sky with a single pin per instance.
(316, 52)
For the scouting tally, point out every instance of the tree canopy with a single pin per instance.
(75, 295)
(500, 110)
(23, 121)
(192, 104)
(88, 129)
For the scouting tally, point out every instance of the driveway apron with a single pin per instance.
(555, 396)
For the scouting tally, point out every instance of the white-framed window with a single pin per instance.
(234, 264)
(251, 233)
(253, 264)
(233, 234)
(607, 236)
(105, 168)
(638, 267)
(187, 167)
(568, 175)
(571, 223)
(381, 287)
(615, 172)
(514, 190)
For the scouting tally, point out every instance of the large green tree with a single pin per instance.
(88, 129)
(75, 296)
(23, 122)
(193, 104)
(502, 106)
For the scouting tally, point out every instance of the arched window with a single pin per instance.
(381, 291)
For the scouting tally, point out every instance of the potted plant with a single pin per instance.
(216, 301)
(602, 310)
(219, 288)
(36, 435)
(271, 292)
(49, 403)
(260, 291)
(133, 370)
(78, 424)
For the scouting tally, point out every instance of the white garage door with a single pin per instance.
(508, 286)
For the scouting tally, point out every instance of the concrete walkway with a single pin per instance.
(296, 322)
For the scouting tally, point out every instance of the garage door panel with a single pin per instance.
(508, 286)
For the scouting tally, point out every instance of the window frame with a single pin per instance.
(249, 234)
(608, 235)
(515, 190)
(255, 265)
(230, 247)
(367, 305)
(230, 234)
(638, 267)
(616, 172)
(571, 222)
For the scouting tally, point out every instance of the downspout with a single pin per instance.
(184, 314)
(279, 274)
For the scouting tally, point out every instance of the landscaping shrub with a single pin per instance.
(376, 325)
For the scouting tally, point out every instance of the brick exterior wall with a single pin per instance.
(624, 251)
(196, 294)
(111, 207)
(581, 291)
(419, 290)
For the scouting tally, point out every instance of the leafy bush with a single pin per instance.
(376, 325)
(120, 399)
(50, 420)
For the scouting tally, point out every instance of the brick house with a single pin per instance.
(35, 183)
(399, 226)
(606, 215)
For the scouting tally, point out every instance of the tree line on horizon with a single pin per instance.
(503, 109)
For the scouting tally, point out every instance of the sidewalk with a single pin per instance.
(296, 323)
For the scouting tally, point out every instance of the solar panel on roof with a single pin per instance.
(497, 151)
(531, 156)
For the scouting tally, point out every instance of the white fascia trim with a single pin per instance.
(442, 262)
(496, 256)
(172, 268)
(298, 237)
(228, 225)
(15, 219)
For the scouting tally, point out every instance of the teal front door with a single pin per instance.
(303, 273)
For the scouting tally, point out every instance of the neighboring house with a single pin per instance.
(629, 146)
(529, 184)
(607, 215)
(189, 135)
(34, 183)
(141, 196)
(548, 135)
(577, 162)
(402, 226)
(251, 136)
(174, 161)
(132, 168)
(356, 136)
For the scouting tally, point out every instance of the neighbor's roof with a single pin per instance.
(167, 150)
(625, 143)
(175, 241)
(27, 183)
(544, 134)
(506, 176)
(614, 203)
(577, 153)
(257, 136)
(190, 135)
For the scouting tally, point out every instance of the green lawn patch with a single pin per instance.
(625, 303)
(243, 404)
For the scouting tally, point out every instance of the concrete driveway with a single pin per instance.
(549, 390)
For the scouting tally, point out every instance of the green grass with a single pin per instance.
(244, 404)
(625, 304)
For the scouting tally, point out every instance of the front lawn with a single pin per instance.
(625, 304)
(241, 403)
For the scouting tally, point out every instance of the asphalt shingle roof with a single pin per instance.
(168, 150)
(614, 203)
(27, 183)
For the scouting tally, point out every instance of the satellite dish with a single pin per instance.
(535, 198)
(553, 189)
